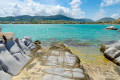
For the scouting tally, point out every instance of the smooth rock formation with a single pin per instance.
(112, 52)
(13, 54)
(4, 75)
(111, 28)
(8, 62)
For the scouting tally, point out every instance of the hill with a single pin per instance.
(38, 18)
(106, 19)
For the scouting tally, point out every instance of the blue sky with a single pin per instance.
(93, 9)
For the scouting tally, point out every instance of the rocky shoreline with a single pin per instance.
(112, 52)
(14, 54)
(56, 63)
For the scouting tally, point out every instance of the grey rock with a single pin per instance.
(48, 77)
(78, 75)
(67, 74)
(28, 42)
(77, 70)
(111, 28)
(110, 52)
(8, 62)
(22, 46)
(5, 76)
(12, 46)
(14, 49)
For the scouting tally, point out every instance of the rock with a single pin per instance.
(8, 62)
(28, 42)
(15, 50)
(22, 46)
(118, 30)
(5, 76)
(78, 75)
(111, 28)
(103, 48)
(110, 52)
(37, 42)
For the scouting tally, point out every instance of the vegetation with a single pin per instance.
(106, 19)
(57, 19)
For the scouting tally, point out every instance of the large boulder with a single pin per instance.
(111, 28)
(15, 50)
(8, 61)
(112, 52)
(13, 54)
(22, 46)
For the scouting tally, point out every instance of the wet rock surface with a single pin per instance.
(112, 52)
(57, 63)
(111, 28)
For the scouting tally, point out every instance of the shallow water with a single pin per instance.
(92, 34)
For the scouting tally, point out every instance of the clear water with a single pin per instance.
(81, 33)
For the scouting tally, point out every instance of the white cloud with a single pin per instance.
(115, 16)
(100, 14)
(109, 2)
(30, 7)
(76, 11)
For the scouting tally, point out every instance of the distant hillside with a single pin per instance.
(117, 21)
(38, 18)
(84, 20)
(106, 19)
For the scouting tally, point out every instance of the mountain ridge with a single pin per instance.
(38, 18)
(106, 19)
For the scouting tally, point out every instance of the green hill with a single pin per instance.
(106, 19)
(38, 18)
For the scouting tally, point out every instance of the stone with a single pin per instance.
(52, 58)
(31, 46)
(28, 42)
(5, 76)
(14, 49)
(78, 75)
(67, 54)
(48, 77)
(67, 74)
(37, 42)
(110, 52)
(22, 46)
(12, 46)
(77, 70)
(8, 62)
(70, 60)
(111, 28)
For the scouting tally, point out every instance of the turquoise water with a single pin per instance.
(80, 33)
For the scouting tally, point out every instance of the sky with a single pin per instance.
(93, 9)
